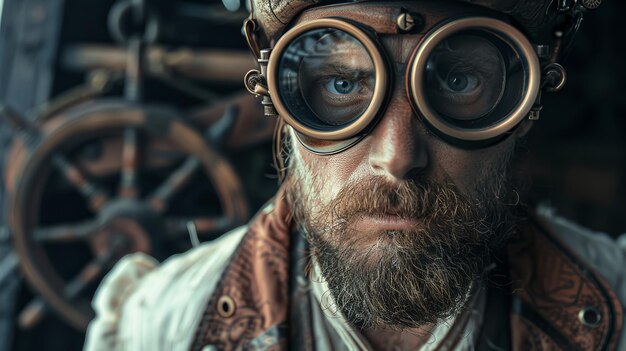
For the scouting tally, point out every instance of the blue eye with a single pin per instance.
(337, 85)
(461, 82)
(457, 81)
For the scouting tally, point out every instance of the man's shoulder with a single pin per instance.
(602, 253)
(185, 269)
(209, 255)
(141, 297)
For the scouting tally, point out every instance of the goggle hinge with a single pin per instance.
(554, 78)
(256, 83)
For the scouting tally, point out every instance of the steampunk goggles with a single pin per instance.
(470, 79)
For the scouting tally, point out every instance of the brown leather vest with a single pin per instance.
(548, 299)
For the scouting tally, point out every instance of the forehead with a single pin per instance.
(382, 18)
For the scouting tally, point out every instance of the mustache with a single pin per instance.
(411, 199)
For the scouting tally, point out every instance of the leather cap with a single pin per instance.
(537, 18)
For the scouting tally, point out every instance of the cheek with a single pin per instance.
(467, 167)
(330, 173)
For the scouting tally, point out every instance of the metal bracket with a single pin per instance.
(535, 111)
(255, 83)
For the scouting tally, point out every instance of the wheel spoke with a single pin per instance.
(37, 308)
(96, 196)
(32, 313)
(175, 182)
(66, 232)
(209, 225)
(92, 271)
(203, 226)
(130, 159)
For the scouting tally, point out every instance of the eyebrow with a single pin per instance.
(345, 61)
(345, 70)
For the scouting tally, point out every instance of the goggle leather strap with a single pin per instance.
(250, 31)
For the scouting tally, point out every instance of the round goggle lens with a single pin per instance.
(326, 78)
(473, 79)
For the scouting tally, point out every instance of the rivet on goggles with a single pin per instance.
(472, 80)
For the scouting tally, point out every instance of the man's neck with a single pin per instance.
(416, 338)
(397, 340)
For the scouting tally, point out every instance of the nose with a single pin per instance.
(398, 147)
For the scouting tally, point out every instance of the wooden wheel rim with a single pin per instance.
(112, 114)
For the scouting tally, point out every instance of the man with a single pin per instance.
(398, 224)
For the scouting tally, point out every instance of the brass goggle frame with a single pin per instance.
(333, 141)
(505, 31)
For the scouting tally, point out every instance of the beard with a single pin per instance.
(405, 278)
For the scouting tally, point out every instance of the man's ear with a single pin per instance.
(523, 128)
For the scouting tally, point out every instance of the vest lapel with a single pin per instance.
(556, 297)
(261, 305)
(249, 308)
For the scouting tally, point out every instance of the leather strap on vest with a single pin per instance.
(495, 333)
(300, 315)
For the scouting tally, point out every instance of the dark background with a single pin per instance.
(577, 150)
(575, 157)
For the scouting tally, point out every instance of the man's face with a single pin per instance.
(402, 224)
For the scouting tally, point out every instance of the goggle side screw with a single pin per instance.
(405, 21)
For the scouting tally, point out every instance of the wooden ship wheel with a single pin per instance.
(105, 179)
(92, 179)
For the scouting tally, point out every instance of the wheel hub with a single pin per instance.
(126, 224)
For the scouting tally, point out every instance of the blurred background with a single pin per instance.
(103, 153)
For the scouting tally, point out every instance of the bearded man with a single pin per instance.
(398, 225)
